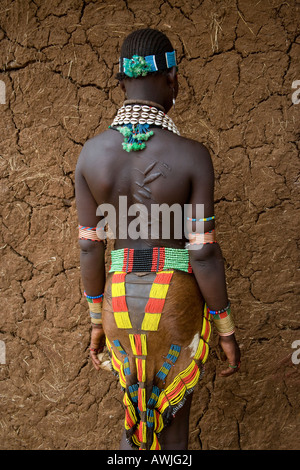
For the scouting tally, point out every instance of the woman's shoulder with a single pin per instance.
(101, 146)
(193, 145)
(102, 140)
(193, 151)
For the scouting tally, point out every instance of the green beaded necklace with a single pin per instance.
(134, 119)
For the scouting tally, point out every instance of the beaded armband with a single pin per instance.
(88, 233)
(95, 307)
(222, 320)
(202, 238)
(205, 219)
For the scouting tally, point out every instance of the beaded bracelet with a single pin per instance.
(217, 312)
(224, 326)
(237, 366)
(223, 321)
(206, 219)
(95, 306)
(96, 350)
(93, 297)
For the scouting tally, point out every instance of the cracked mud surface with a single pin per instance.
(237, 61)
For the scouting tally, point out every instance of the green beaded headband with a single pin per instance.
(139, 66)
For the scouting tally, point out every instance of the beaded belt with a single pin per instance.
(150, 260)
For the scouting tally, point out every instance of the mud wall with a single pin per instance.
(238, 61)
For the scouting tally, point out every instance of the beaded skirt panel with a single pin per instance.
(157, 329)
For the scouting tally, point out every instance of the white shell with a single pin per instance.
(143, 114)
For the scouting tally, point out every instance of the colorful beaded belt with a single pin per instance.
(150, 260)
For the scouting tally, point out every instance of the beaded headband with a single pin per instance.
(139, 66)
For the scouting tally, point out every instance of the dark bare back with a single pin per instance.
(171, 170)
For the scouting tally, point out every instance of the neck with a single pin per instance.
(149, 89)
(145, 102)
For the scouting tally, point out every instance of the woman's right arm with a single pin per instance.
(206, 259)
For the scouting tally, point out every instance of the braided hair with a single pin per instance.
(144, 42)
